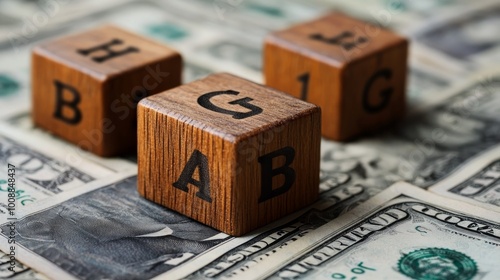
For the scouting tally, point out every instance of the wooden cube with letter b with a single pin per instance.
(86, 86)
(355, 71)
(229, 153)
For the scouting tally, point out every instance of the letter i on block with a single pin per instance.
(229, 153)
(86, 86)
(354, 71)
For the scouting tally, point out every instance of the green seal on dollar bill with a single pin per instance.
(437, 263)
(8, 85)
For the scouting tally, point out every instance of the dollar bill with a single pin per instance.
(408, 9)
(211, 47)
(106, 230)
(253, 17)
(194, 72)
(20, 127)
(40, 175)
(478, 183)
(400, 15)
(433, 142)
(17, 272)
(424, 82)
(404, 232)
(14, 83)
(25, 20)
(350, 173)
(464, 37)
(353, 173)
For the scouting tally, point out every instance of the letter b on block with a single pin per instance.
(229, 153)
(86, 86)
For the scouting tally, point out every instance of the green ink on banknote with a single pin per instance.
(358, 270)
(421, 229)
(396, 5)
(275, 12)
(167, 31)
(437, 263)
(8, 85)
(21, 196)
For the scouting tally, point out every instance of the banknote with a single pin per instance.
(478, 183)
(435, 141)
(24, 20)
(350, 173)
(399, 15)
(327, 209)
(106, 230)
(39, 174)
(424, 82)
(249, 16)
(404, 232)
(20, 127)
(193, 71)
(15, 65)
(17, 272)
(465, 37)
(411, 10)
(14, 83)
(205, 48)
(212, 47)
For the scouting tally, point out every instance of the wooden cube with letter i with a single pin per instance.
(355, 71)
(86, 86)
(229, 153)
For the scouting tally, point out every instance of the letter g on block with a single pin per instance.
(204, 101)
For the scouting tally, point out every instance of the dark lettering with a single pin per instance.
(304, 79)
(345, 40)
(384, 94)
(71, 104)
(196, 161)
(267, 173)
(107, 48)
(205, 102)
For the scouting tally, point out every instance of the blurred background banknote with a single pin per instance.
(81, 217)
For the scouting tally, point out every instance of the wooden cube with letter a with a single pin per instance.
(354, 71)
(229, 153)
(85, 87)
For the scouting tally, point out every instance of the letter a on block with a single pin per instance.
(200, 161)
(233, 143)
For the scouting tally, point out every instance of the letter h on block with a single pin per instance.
(86, 86)
(229, 153)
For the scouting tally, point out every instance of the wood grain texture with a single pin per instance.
(173, 125)
(67, 69)
(346, 67)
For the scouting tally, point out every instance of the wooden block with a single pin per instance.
(86, 86)
(354, 71)
(229, 153)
